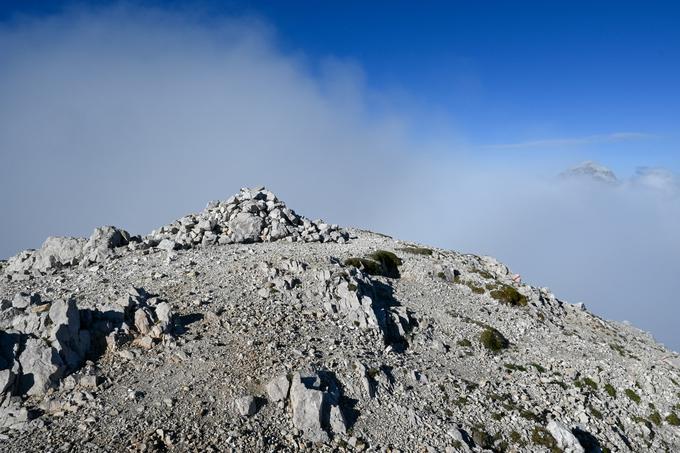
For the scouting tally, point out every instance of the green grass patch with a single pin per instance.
(618, 348)
(597, 414)
(586, 383)
(541, 436)
(632, 395)
(672, 419)
(474, 288)
(538, 367)
(510, 296)
(611, 391)
(465, 343)
(493, 340)
(380, 262)
(560, 383)
(416, 250)
(482, 273)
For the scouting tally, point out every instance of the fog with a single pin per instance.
(135, 117)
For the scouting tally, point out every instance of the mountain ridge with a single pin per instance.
(249, 327)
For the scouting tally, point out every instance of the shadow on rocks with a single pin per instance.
(395, 320)
(587, 441)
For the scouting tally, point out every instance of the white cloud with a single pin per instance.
(658, 179)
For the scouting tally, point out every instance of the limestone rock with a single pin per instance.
(307, 405)
(564, 437)
(277, 388)
(41, 367)
(246, 227)
(246, 406)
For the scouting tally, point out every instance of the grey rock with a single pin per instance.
(102, 243)
(246, 227)
(164, 315)
(307, 405)
(167, 245)
(246, 406)
(564, 437)
(277, 388)
(65, 332)
(6, 380)
(337, 421)
(13, 416)
(41, 367)
(56, 252)
(23, 300)
(142, 322)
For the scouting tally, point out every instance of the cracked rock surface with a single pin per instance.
(249, 328)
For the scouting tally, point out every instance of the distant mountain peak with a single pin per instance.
(591, 170)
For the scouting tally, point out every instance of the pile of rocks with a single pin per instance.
(41, 342)
(253, 215)
(352, 294)
(58, 252)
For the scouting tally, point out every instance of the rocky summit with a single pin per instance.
(248, 327)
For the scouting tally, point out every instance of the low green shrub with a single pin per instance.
(541, 436)
(380, 262)
(586, 382)
(509, 295)
(673, 419)
(416, 250)
(611, 391)
(633, 396)
(493, 340)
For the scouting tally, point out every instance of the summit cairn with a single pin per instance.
(253, 215)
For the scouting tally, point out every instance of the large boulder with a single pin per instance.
(315, 402)
(277, 388)
(65, 332)
(103, 241)
(21, 263)
(307, 404)
(246, 227)
(565, 439)
(57, 252)
(41, 367)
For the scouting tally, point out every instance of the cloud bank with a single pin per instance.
(135, 117)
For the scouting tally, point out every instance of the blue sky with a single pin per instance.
(445, 125)
(496, 72)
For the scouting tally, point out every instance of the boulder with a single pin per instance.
(6, 380)
(142, 321)
(164, 315)
(307, 404)
(168, 245)
(21, 263)
(246, 227)
(13, 416)
(565, 439)
(23, 300)
(41, 367)
(246, 406)
(57, 252)
(65, 332)
(277, 388)
(103, 241)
